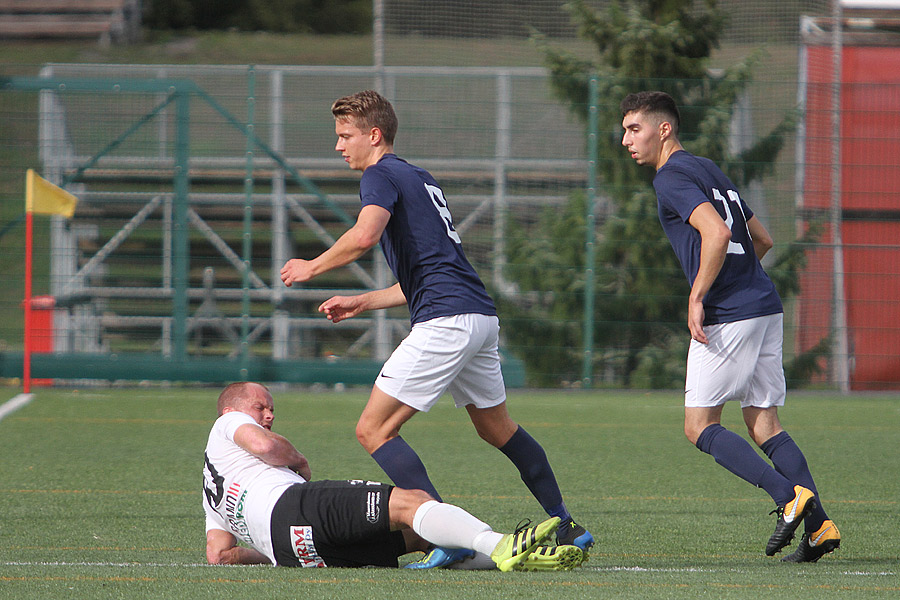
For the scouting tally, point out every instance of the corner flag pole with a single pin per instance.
(29, 246)
(44, 198)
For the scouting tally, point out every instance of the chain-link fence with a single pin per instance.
(186, 217)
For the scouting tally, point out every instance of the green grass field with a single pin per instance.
(100, 497)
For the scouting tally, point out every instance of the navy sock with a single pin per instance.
(734, 453)
(530, 459)
(790, 462)
(404, 467)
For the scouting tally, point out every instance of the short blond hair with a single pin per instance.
(368, 110)
(235, 393)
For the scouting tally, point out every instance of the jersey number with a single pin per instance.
(437, 198)
(733, 247)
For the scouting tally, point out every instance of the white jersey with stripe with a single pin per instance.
(239, 489)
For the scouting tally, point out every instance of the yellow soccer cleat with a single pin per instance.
(553, 558)
(514, 548)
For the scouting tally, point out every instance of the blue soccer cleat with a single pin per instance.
(571, 533)
(441, 557)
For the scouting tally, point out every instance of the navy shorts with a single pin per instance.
(335, 524)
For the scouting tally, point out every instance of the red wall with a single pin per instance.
(870, 180)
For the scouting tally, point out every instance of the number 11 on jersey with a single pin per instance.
(733, 247)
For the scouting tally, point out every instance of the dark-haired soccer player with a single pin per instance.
(735, 321)
(453, 344)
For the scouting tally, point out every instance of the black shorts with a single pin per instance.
(335, 524)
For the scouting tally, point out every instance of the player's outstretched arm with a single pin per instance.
(338, 308)
(355, 242)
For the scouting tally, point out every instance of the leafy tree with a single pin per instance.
(641, 293)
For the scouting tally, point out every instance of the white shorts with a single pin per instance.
(741, 362)
(456, 354)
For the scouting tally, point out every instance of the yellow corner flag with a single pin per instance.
(44, 198)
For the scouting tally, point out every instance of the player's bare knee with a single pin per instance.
(409, 498)
(691, 433)
(488, 437)
(369, 437)
(404, 503)
(753, 435)
(419, 497)
(761, 435)
(496, 430)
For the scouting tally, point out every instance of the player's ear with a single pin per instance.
(665, 130)
(375, 136)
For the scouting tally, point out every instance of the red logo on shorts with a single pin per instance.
(304, 548)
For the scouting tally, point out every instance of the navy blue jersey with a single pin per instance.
(742, 290)
(420, 244)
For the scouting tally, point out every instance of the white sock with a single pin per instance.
(450, 526)
(479, 562)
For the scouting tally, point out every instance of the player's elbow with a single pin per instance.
(723, 234)
(217, 556)
(365, 239)
(719, 236)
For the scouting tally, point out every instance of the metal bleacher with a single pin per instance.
(152, 279)
(106, 20)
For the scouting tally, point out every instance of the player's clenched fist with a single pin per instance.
(296, 270)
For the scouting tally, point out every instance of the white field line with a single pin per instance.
(635, 569)
(708, 570)
(15, 404)
(55, 563)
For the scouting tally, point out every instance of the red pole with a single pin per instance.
(26, 356)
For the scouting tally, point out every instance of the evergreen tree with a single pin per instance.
(641, 293)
